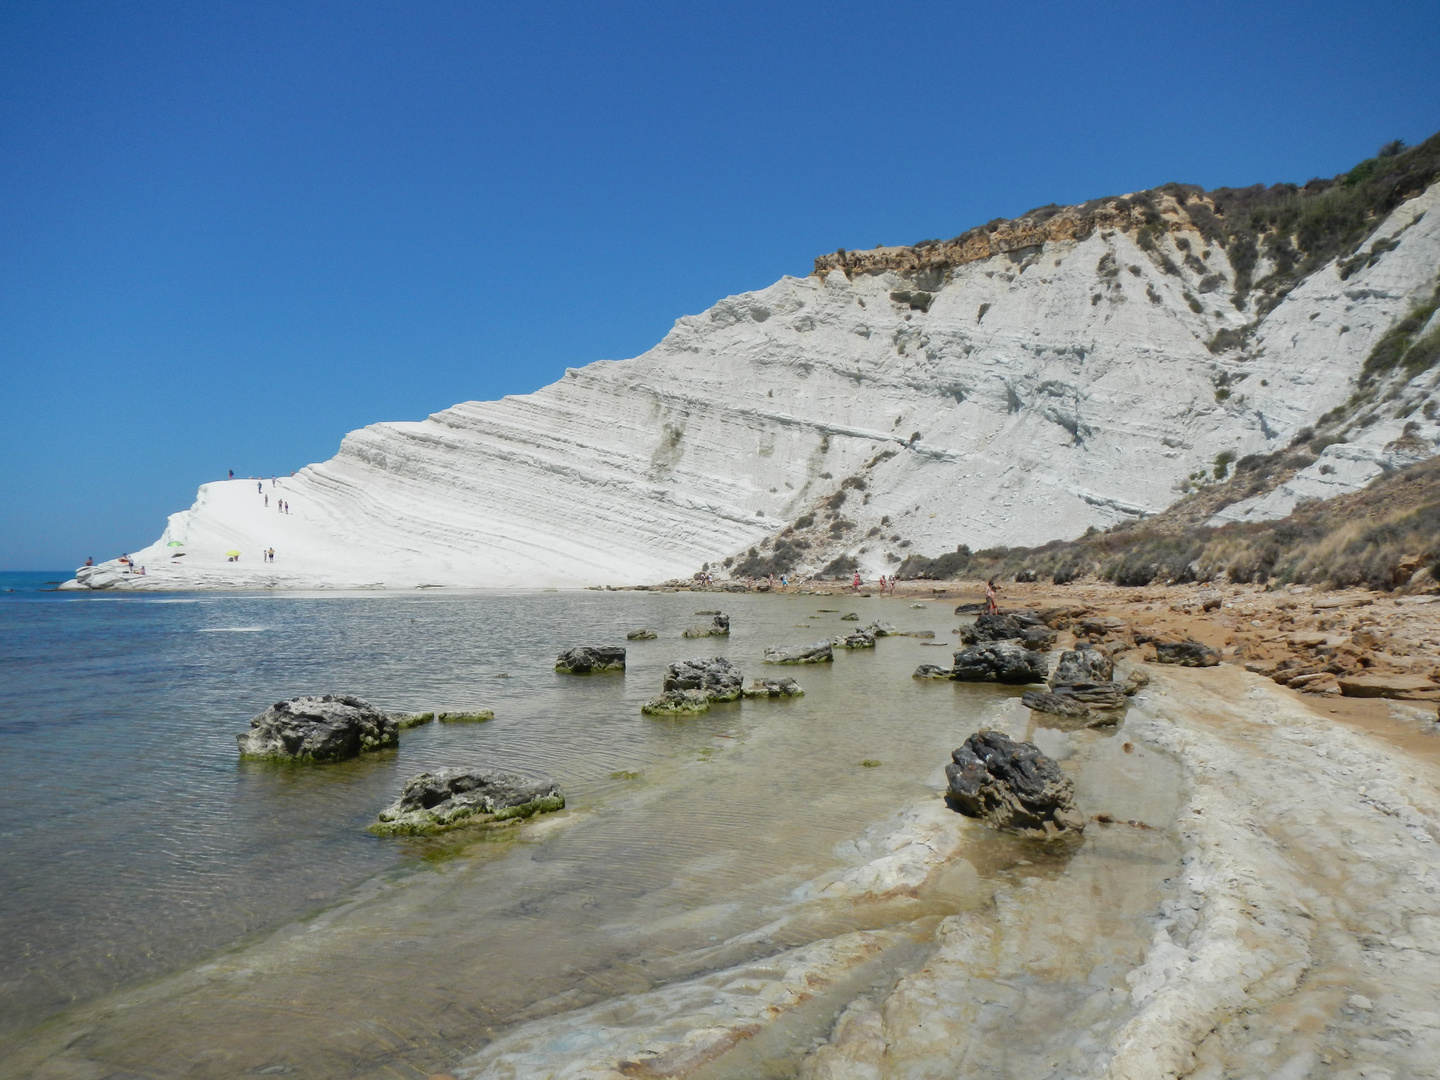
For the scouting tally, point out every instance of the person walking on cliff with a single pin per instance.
(991, 608)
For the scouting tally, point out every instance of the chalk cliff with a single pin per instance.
(1022, 383)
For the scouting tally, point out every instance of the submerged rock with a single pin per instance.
(450, 798)
(314, 728)
(1011, 785)
(817, 652)
(999, 661)
(932, 671)
(719, 627)
(641, 635)
(477, 716)
(676, 702)
(413, 719)
(587, 658)
(773, 688)
(1084, 663)
(861, 639)
(852, 616)
(714, 676)
(1186, 654)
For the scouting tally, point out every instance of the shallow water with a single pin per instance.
(135, 843)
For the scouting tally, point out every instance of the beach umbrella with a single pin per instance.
(174, 543)
(232, 553)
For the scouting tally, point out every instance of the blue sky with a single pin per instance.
(231, 232)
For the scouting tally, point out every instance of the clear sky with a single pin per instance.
(231, 232)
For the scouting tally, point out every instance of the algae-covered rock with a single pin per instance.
(589, 658)
(714, 676)
(451, 798)
(318, 728)
(476, 716)
(677, 703)
(860, 639)
(773, 688)
(413, 719)
(719, 626)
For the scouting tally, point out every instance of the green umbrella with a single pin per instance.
(234, 553)
(174, 543)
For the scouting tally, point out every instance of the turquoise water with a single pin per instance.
(135, 843)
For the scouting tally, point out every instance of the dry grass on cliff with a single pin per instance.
(1385, 536)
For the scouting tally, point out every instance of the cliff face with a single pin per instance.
(1005, 388)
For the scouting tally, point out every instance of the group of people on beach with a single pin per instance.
(883, 585)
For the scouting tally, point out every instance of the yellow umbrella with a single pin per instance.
(232, 553)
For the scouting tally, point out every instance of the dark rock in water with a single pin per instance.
(708, 611)
(882, 629)
(719, 627)
(1011, 785)
(817, 652)
(640, 635)
(450, 798)
(1008, 626)
(331, 727)
(773, 688)
(999, 661)
(714, 676)
(587, 658)
(861, 639)
(916, 633)
(1186, 654)
(932, 671)
(852, 616)
(676, 703)
(1084, 663)
(970, 609)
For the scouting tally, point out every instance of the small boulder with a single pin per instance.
(676, 703)
(1000, 661)
(773, 688)
(1008, 626)
(450, 798)
(932, 671)
(882, 629)
(861, 639)
(315, 728)
(1011, 785)
(718, 627)
(1056, 704)
(714, 676)
(1136, 681)
(413, 719)
(1096, 695)
(1186, 654)
(590, 658)
(817, 652)
(641, 635)
(1084, 663)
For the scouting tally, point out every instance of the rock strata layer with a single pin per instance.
(331, 727)
(450, 798)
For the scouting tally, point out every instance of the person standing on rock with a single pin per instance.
(991, 608)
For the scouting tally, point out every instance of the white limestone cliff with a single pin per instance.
(1019, 397)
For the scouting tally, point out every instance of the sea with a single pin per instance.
(138, 852)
